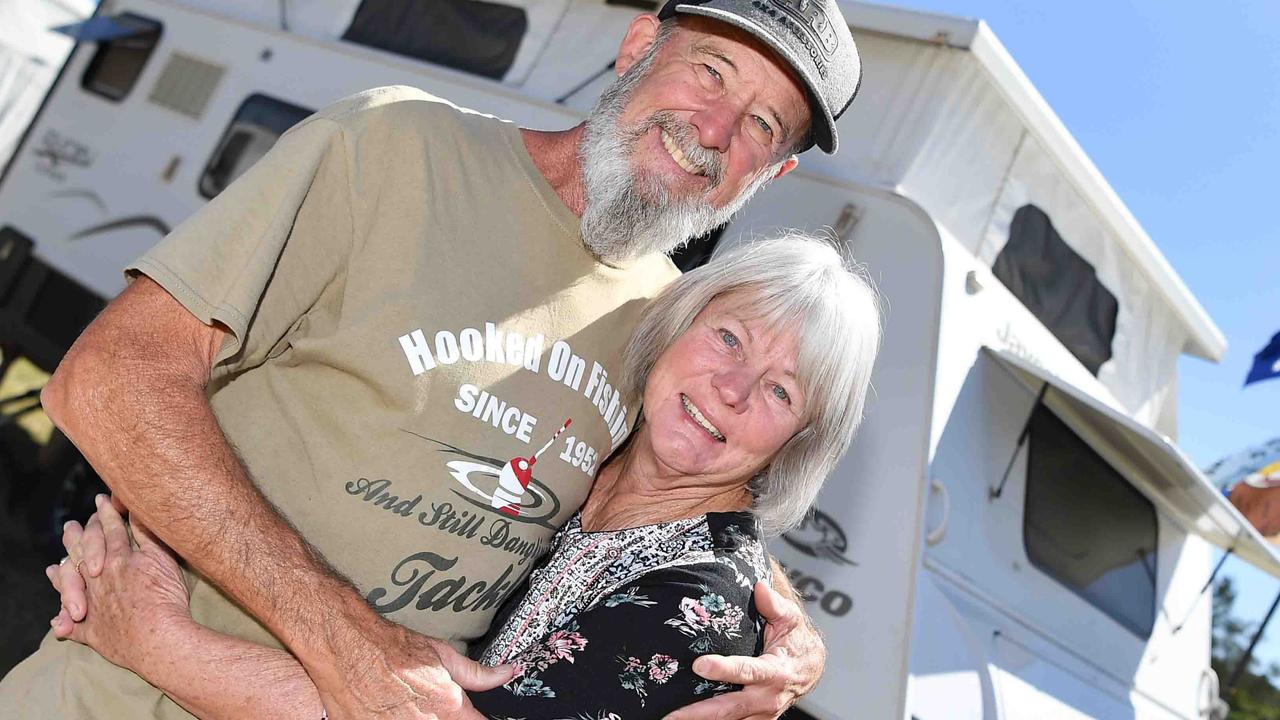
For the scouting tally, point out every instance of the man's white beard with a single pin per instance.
(629, 213)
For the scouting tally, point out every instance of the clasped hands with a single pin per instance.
(123, 595)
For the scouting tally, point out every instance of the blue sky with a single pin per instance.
(1178, 104)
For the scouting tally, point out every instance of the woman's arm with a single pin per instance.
(135, 614)
(632, 654)
(215, 676)
(137, 617)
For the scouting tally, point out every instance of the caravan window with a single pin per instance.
(1088, 527)
(471, 35)
(114, 68)
(259, 122)
(1058, 286)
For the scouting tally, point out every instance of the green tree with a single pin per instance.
(1255, 696)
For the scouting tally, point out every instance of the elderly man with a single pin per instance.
(387, 357)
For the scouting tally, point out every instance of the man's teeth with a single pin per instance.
(696, 414)
(678, 155)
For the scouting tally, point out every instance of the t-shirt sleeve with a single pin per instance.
(262, 253)
(631, 655)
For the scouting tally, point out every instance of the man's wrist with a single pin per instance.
(348, 634)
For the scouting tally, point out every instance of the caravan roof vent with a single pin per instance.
(186, 84)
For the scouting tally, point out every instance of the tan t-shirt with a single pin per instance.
(413, 319)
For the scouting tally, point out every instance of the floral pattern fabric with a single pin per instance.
(609, 624)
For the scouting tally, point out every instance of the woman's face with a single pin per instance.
(723, 398)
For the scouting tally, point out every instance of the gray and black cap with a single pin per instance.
(811, 35)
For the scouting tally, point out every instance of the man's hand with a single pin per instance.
(384, 670)
(791, 664)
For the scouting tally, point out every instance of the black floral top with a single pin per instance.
(609, 624)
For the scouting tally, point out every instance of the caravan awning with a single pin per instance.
(106, 28)
(1156, 466)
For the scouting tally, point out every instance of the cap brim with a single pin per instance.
(824, 125)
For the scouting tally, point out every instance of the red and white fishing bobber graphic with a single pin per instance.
(515, 477)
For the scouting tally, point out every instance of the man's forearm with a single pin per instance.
(782, 584)
(215, 676)
(138, 411)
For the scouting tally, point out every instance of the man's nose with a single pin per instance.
(715, 125)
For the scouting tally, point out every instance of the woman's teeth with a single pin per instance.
(696, 414)
(678, 155)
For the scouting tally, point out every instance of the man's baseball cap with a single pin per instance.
(811, 35)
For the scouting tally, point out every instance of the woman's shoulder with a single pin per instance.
(738, 548)
(708, 583)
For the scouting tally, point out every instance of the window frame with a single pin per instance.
(1103, 456)
(101, 54)
(225, 137)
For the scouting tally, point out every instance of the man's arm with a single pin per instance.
(138, 617)
(790, 665)
(131, 395)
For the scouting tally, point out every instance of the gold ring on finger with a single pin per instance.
(78, 564)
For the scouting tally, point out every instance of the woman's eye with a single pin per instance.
(729, 338)
(712, 72)
(781, 393)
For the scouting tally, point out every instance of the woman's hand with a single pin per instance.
(136, 601)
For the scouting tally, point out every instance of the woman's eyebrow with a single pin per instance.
(742, 324)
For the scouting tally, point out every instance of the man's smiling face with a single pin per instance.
(700, 119)
(717, 109)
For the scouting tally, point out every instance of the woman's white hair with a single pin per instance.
(794, 283)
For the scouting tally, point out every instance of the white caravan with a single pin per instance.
(1013, 534)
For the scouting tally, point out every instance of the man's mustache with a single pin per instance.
(685, 138)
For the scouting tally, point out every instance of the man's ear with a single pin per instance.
(639, 38)
(787, 166)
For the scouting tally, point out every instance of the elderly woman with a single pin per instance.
(753, 372)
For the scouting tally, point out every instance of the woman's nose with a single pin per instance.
(734, 388)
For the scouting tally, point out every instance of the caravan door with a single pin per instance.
(856, 559)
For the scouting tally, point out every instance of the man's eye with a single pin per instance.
(729, 338)
(763, 125)
(781, 393)
(712, 72)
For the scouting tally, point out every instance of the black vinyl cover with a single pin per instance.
(471, 35)
(1058, 286)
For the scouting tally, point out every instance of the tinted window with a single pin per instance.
(1058, 286)
(115, 67)
(259, 122)
(478, 37)
(1087, 527)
